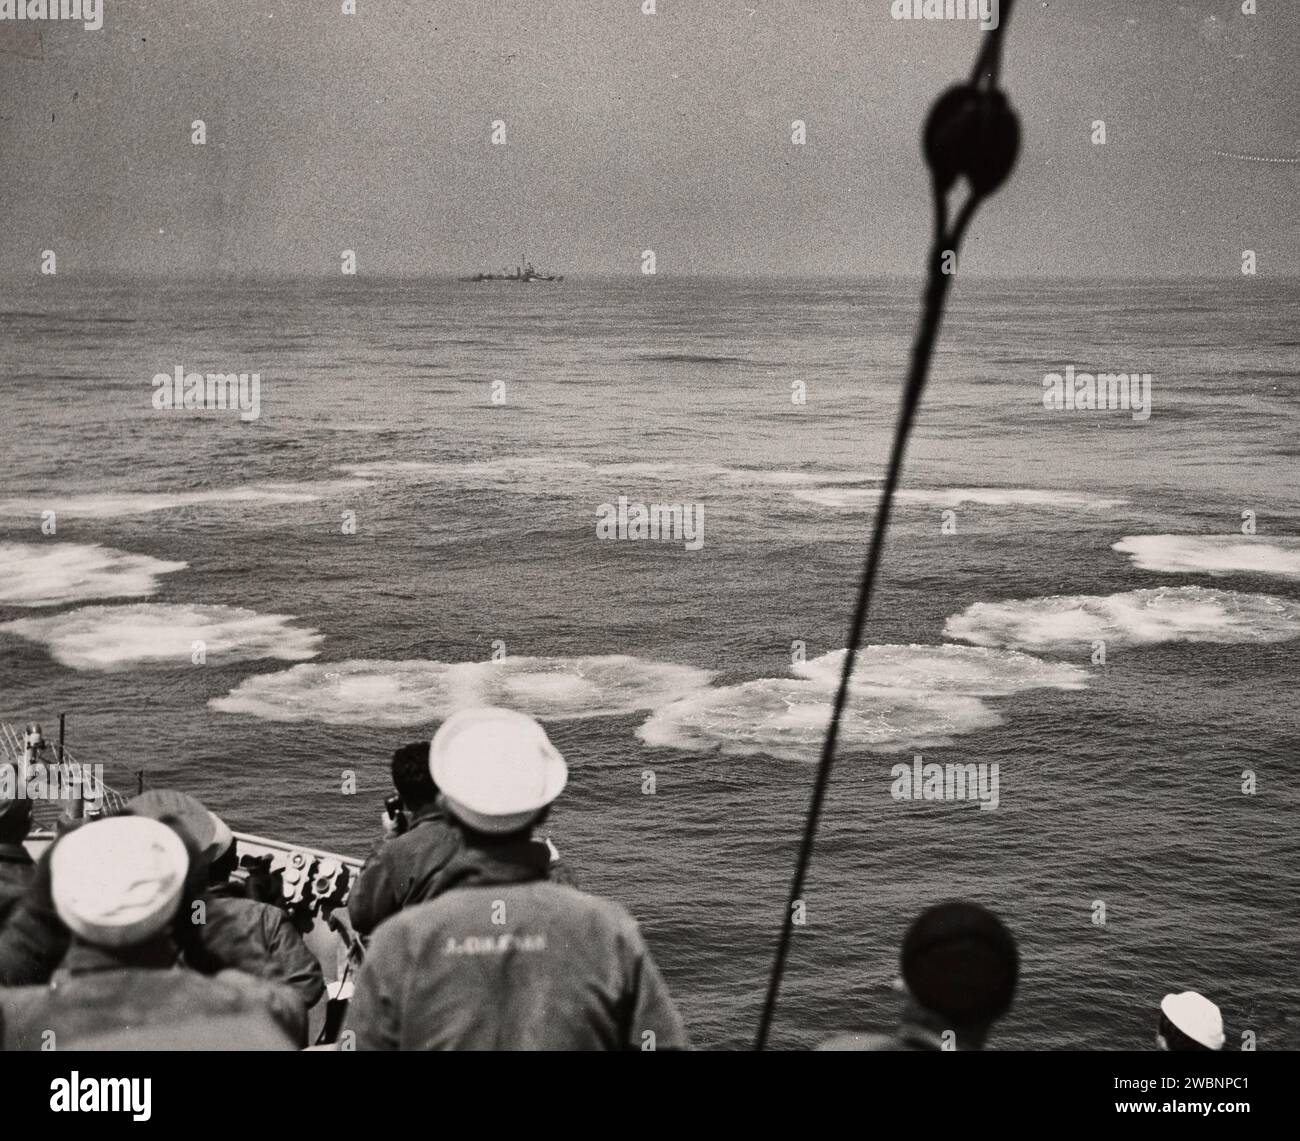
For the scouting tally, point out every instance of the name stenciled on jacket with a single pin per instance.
(493, 944)
(75, 1094)
(209, 392)
(37, 781)
(659, 522)
(923, 780)
(89, 12)
(1100, 392)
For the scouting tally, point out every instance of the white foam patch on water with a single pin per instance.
(976, 671)
(1133, 618)
(155, 633)
(115, 504)
(1213, 554)
(800, 479)
(528, 474)
(788, 717)
(48, 574)
(1013, 497)
(856, 499)
(839, 498)
(706, 475)
(902, 697)
(520, 471)
(399, 693)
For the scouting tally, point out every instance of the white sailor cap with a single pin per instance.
(1196, 1016)
(496, 768)
(117, 882)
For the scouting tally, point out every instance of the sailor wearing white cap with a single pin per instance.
(1189, 1021)
(506, 958)
(118, 885)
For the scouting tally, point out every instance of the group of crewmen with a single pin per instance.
(129, 932)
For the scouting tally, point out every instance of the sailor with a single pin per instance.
(253, 936)
(34, 939)
(119, 885)
(506, 958)
(16, 865)
(959, 968)
(229, 931)
(1189, 1021)
(225, 933)
(410, 864)
(418, 841)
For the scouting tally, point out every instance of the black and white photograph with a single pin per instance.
(650, 526)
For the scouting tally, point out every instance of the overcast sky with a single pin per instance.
(628, 132)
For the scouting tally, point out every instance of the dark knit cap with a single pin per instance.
(959, 961)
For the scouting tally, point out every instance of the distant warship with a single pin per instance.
(525, 273)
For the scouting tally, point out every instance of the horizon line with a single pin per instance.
(230, 277)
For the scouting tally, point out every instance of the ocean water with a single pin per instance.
(707, 672)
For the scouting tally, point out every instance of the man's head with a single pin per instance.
(959, 964)
(182, 811)
(497, 770)
(15, 820)
(411, 776)
(117, 883)
(196, 826)
(1189, 1021)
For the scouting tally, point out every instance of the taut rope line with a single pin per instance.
(971, 131)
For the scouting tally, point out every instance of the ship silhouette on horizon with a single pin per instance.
(527, 273)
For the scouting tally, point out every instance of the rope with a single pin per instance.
(983, 81)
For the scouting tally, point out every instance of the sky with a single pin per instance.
(627, 132)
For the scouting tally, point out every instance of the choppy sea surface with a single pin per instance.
(420, 493)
